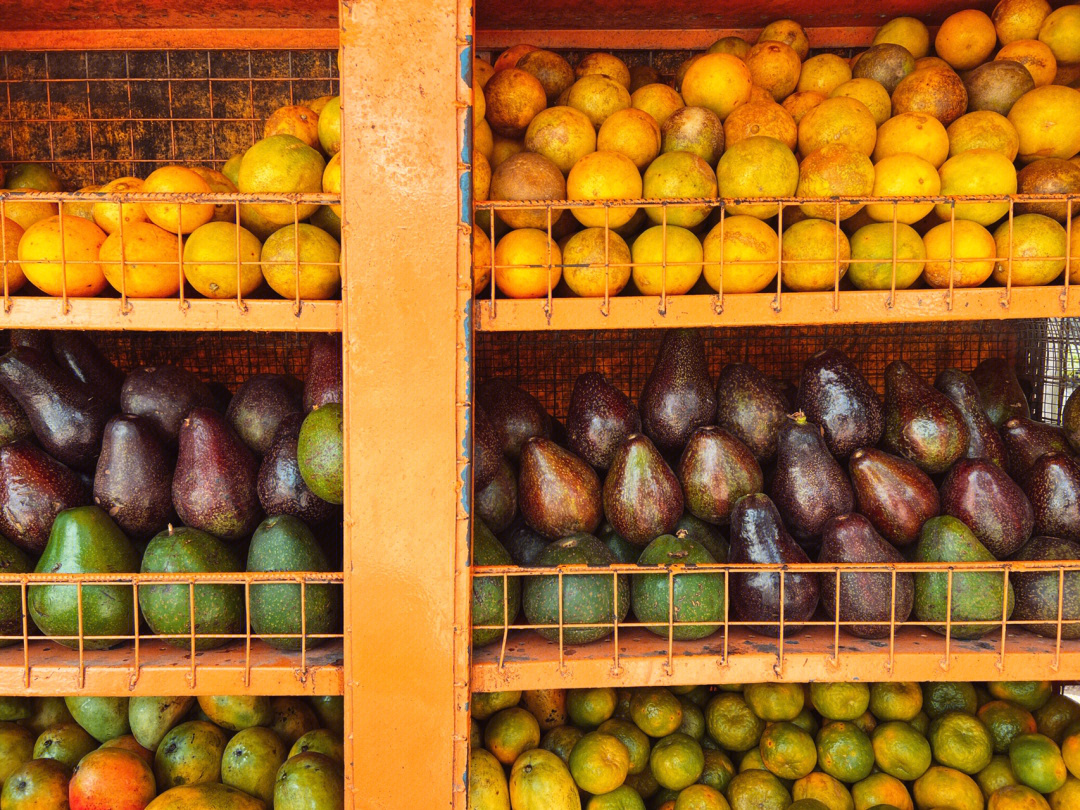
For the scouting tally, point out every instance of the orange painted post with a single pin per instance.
(405, 345)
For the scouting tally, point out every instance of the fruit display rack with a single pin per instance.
(103, 90)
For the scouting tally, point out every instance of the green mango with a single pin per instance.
(85, 540)
(292, 718)
(66, 742)
(104, 717)
(151, 718)
(46, 712)
(331, 711)
(321, 741)
(12, 561)
(309, 782)
(284, 543)
(190, 754)
(219, 609)
(976, 596)
(14, 708)
(237, 712)
(16, 748)
(251, 761)
(320, 454)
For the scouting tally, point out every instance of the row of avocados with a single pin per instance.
(778, 746)
(171, 753)
(156, 471)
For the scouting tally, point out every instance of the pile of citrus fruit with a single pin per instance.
(766, 746)
(147, 249)
(171, 753)
(994, 112)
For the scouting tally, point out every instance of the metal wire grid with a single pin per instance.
(26, 642)
(96, 115)
(546, 364)
(837, 210)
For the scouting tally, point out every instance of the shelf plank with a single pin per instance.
(166, 670)
(166, 314)
(759, 309)
(530, 662)
(156, 24)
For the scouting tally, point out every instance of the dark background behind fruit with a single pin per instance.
(546, 364)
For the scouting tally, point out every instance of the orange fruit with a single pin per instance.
(719, 82)
(1032, 695)
(1036, 242)
(634, 739)
(872, 253)
(486, 704)
(145, 263)
(528, 176)
(487, 782)
(539, 779)
(701, 797)
(604, 176)
(622, 798)
(219, 183)
(823, 788)
(880, 788)
(330, 127)
(823, 74)
(966, 39)
(295, 119)
(789, 32)
(1061, 31)
(1016, 797)
(903, 176)
(869, 92)
(52, 264)
(835, 170)
(302, 261)
(983, 129)
(550, 69)
(561, 741)
(900, 750)
(598, 97)
(840, 701)
(80, 208)
(281, 163)
(526, 263)
(1033, 55)
(1019, 19)
(775, 701)
(977, 172)
(908, 32)
(561, 134)
(483, 141)
(511, 56)
(768, 119)
(693, 129)
(757, 167)
(815, 255)
(946, 787)
(512, 99)
(935, 91)
(210, 260)
(1036, 760)
(775, 67)
(633, 133)
(672, 263)
(741, 256)
(481, 255)
(589, 708)
(107, 215)
(599, 762)
(1047, 120)
(658, 100)
(799, 104)
(656, 711)
(895, 700)
(10, 235)
(604, 64)
(913, 133)
(997, 774)
(839, 120)
(755, 789)
(595, 260)
(1006, 721)
(961, 741)
(967, 255)
(1067, 796)
(844, 751)
(511, 733)
(676, 761)
(679, 175)
(736, 46)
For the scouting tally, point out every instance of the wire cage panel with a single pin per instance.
(93, 116)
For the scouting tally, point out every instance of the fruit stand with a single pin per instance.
(104, 91)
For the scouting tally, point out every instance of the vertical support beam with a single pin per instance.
(405, 67)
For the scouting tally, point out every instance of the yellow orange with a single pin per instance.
(481, 256)
(909, 32)
(483, 140)
(913, 133)
(331, 180)
(966, 39)
(869, 92)
(561, 134)
(741, 255)
(595, 260)
(604, 176)
(775, 67)
(551, 69)
(512, 99)
(598, 97)
(1033, 55)
(633, 133)
(278, 164)
(302, 261)
(511, 56)
(823, 74)
(658, 100)
(718, 82)
(145, 263)
(210, 260)
(1019, 19)
(967, 256)
(977, 172)
(295, 119)
(903, 176)
(671, 262)
(838, 120)
(526, 263)
(736, 46)
(1061, 31)
(800, 103)
(53, 264)
(604, 64)
(983, 129)
(13, 277)
(330, 127)
(1048, 122)
(679, 175)
(833, 171)
(107, 215)
(178, 218)
(769, 119)
(814, 255)
(1029, 249)
(757, 167)
(219, 183)
(789, 32)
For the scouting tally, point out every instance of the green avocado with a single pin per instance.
(487, 606)
(219, 609)
(976, 596)
(320, 455)
(283, 543)
(85, 540)
(694, 597)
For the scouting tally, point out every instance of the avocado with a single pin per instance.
(1053, 485)
(893, 493)
(1037, 591)
(976, 595)
(983, 439)
(865, 597)
(601, 417)
(586, 598)
(1000, 391)
(76, 353)
(496, 504)
(34, 489)
(489, 605)
(320, 453)
(104, 718)
(219, 609)
(283, 543)
(85, 540)
(624, 551)
(751, 407)
(921, 424)
(716, 470)
(487, 450)
(280, 486)
(558, 493)
(1070, 419)
(642, 497)
(1026, 441)
(164, 395)
(151, 718)
(14, 424)
(259, 405)
(834, 394)
(524, 543)
(678, 397)
(214, 482)
(322, 383)
(708, 535)
(133, 479)
(693, 597)
(514, 414)
(12, 561)
(67, 416)
(991, 504)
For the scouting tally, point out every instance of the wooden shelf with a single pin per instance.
(530, 662)
(759, 309)
(167, 670)
(155, 24)
(166, 314)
